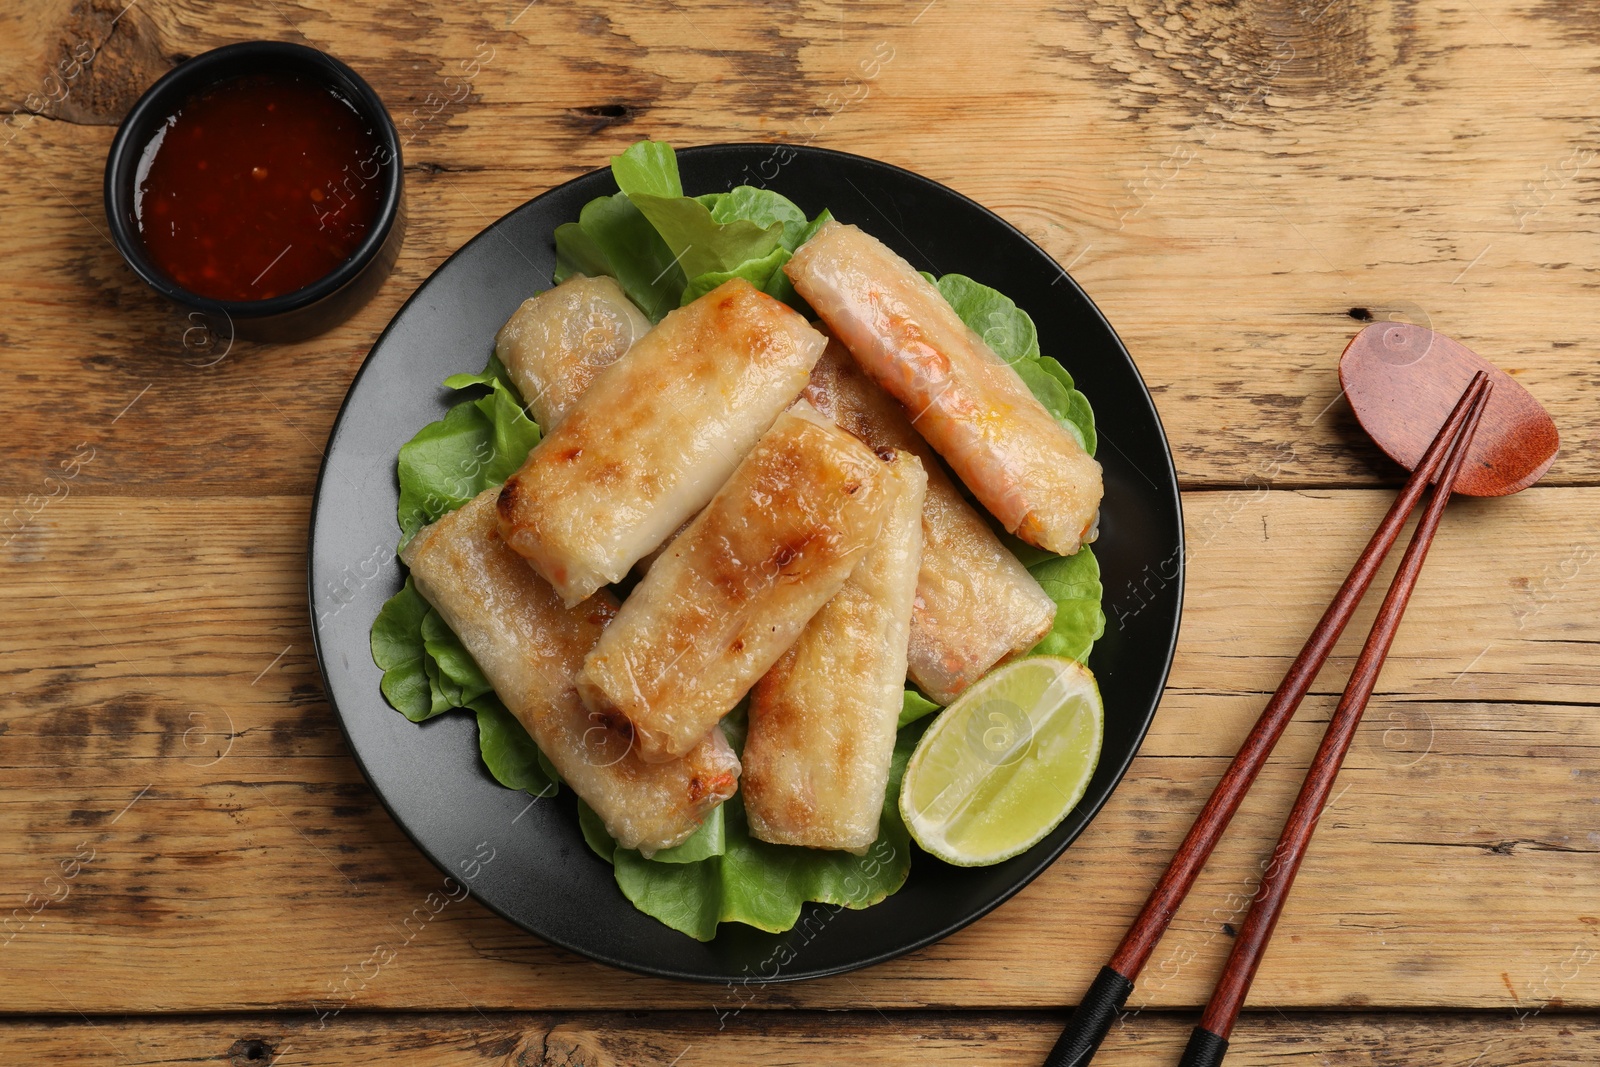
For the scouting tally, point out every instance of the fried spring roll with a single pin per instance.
(976, 604)
(968, 403)
(529, 647)
(556, 342)
(655, 435)
(823, 719)
(735, 589)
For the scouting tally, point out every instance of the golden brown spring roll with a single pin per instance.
(823, 719)
(737, 587)
(976, 604)
(529, 647)
(555, 344)
(655, 435)
(969, 404)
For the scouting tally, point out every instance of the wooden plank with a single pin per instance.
(163, 709)
(1228, 214)
(701, 1039)
(1232, 217)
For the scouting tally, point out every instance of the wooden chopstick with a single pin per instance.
(1109, 991)
(1209, 1042)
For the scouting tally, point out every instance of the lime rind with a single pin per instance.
(1005, 763)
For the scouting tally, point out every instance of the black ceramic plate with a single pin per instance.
(542, 876)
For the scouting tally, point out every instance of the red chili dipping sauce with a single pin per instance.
(258, 186)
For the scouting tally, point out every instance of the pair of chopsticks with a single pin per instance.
(1209, 1042)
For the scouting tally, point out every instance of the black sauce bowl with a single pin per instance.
(313, 308)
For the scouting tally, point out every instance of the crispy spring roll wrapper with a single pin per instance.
(529, 647)
(976, 604)
(735, 589)
(823, 719)
(642, 568)
(555, 344)
(655, 436)
(968, 403)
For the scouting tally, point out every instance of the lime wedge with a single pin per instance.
(1004, 764)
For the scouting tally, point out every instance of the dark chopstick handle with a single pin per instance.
(1216, 1024)
(1091, 1021)
(1205, 1049)
(1140, 940)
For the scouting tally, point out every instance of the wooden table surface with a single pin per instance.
(193, 866)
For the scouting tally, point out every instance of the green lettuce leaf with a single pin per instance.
(508, 751)
(578, 253)
(613, 237)
(765, 273)
(1047, 387)
(709, 840)
(914, 705)
(648, 167)
(547, 767)
(494, 371)
(1011, 333)
(716, 233)
(478, 443)
(701, 244)
(439, 700)
(667, 249)
(397, 648)
(993, 316)
(762, 207)
(1073, 582)
(779, 285)
(459, 677)
(760, 884)
(1070, 407)
(594, 833)
(758, 272)
(426, 669)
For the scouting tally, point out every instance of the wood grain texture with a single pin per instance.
(1240, 187)
(258, 871)
(470, 1039)
(1279, 709)
(1230, 184)
(1316, 791)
